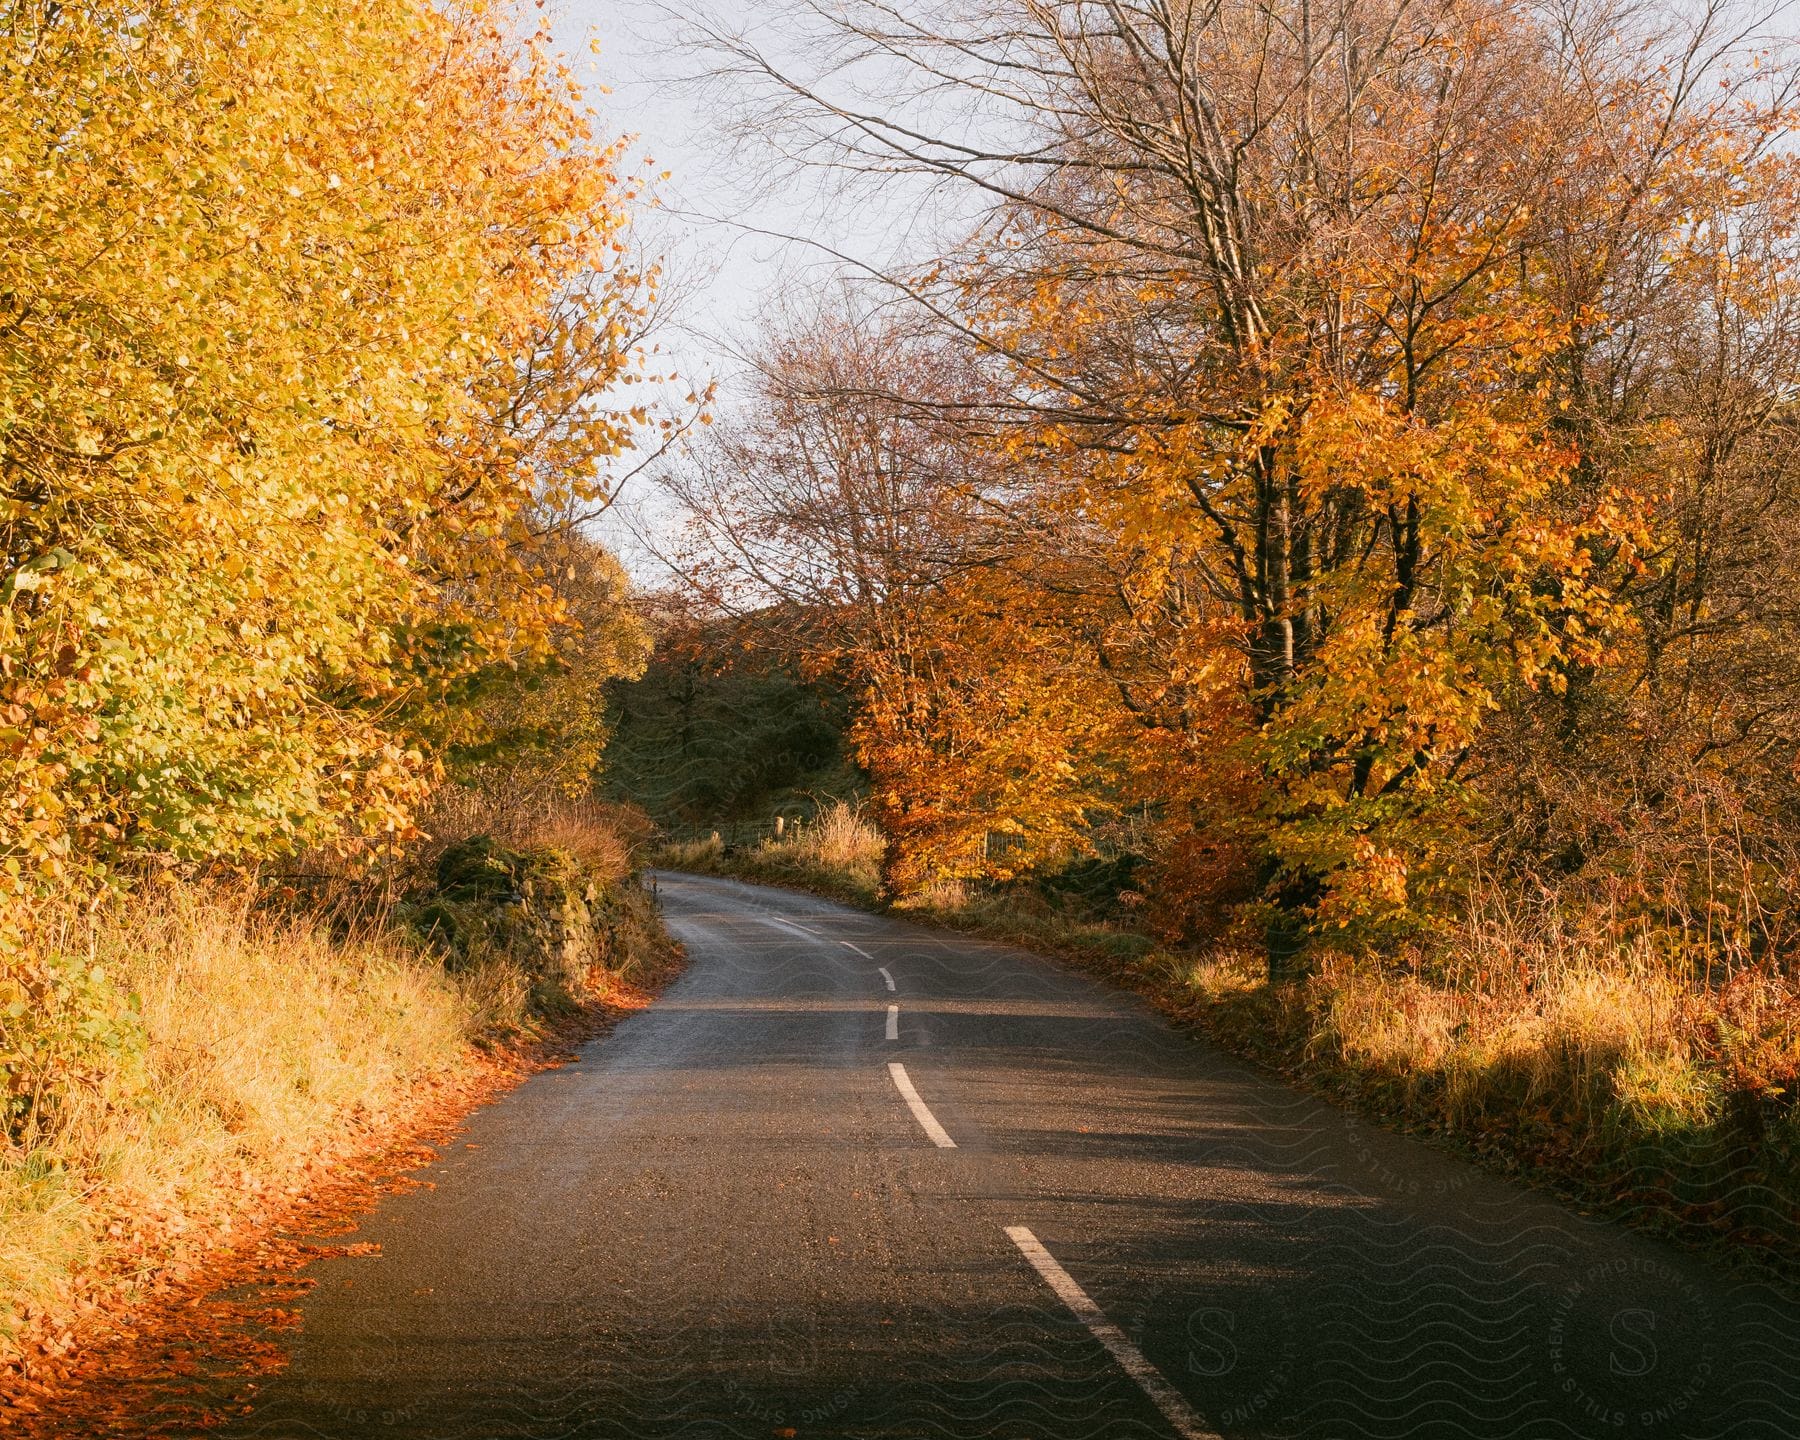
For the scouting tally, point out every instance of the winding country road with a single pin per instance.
(853, 1177)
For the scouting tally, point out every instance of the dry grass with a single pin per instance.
(691, 854)
(171, 1055)
(229, 1044)
(839, 852)
(839, 841)
(1631, 1069)
(1559, 1043)
(1635, 1073)
(1598, 1031)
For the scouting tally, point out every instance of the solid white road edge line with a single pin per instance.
(927, 1121)
(893, 1030)
(885, 976)
(1131, 1360)
(857, 948)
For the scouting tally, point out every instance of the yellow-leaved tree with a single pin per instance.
(308, 317)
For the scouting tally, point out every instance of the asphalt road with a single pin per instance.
(730, 1218)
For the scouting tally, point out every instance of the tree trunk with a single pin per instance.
(1293, 896)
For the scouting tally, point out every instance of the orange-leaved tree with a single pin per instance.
(870, 537)
(1283, 299)
(1308, 355)
(988, 748)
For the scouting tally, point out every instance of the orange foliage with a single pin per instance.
(994, 729)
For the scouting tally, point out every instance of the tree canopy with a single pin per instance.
(1340, 425)
(314, 331)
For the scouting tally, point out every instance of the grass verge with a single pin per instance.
(198, 1062)
(837, 855)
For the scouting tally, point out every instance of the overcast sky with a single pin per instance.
(723, 270)
(718, 217)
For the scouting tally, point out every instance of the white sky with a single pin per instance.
(722, 273)
(715, 202)
(654, 98)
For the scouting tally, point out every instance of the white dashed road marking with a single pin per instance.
(857, 948)
(885, 976)
(1131, 1360)
(927, 1121)
(893, 1030)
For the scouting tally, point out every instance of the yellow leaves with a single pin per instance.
(295, 382)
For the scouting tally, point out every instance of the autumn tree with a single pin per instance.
(536, 730)
(1663, 788)
(312, 322)
(1284, 299)
(862, 530)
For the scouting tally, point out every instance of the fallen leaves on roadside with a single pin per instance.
(195, 1335)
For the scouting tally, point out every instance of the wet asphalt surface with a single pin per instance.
(724, 1220)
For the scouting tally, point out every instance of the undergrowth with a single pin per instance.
(183, 1049)
(838, 853)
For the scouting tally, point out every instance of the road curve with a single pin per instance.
(1036, 1211)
